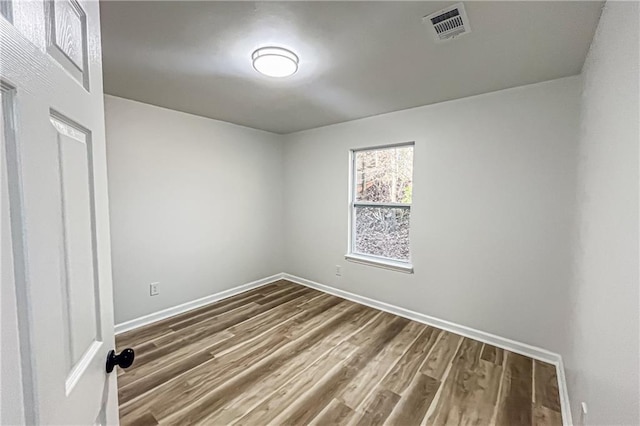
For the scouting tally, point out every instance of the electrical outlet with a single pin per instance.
(583, 413)
(338, 270)
(154, 289)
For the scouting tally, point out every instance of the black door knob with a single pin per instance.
(123, 360)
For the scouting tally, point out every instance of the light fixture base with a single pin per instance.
(275, 61)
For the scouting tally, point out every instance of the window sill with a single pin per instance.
(407, 268)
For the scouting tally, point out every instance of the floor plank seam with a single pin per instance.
(391, 366)
(445, 375)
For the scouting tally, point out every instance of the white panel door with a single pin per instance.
(54, 142)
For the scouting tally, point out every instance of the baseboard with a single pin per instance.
(481, 336)
(185, 307)
(565, 403)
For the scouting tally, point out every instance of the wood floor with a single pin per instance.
(284, 354)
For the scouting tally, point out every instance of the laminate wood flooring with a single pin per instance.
(284, 354)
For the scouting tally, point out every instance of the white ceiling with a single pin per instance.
(356, 58)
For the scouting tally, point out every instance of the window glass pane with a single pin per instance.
(382, 231)
(384, 175)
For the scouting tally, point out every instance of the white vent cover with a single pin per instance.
(448, 23)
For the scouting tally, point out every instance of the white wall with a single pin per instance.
(195, 205)
(602, 357)
(493, 209)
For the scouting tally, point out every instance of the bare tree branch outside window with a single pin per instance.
(383, 180)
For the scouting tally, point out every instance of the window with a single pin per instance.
(382, 184)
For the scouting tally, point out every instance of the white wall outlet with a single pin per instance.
(583, 413)
(154, 289)
(338, 270)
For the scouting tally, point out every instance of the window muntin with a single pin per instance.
(381, 202)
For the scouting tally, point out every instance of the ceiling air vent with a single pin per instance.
(448, 23)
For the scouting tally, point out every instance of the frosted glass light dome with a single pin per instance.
(275, 62)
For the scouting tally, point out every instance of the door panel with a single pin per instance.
(6, 10)
(80, 304)
(57, 184)
(67, 37)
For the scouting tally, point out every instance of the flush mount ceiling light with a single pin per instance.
(275, 62)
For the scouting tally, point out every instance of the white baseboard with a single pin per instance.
(481, 336)
(565, 403)
(185, 307)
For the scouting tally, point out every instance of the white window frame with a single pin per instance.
(368, 259)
